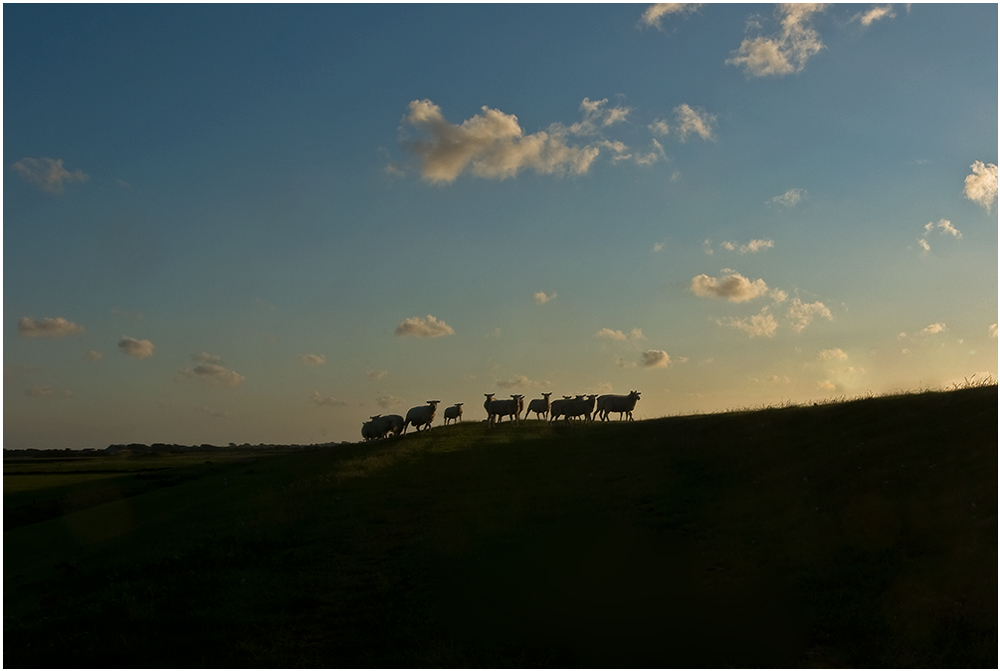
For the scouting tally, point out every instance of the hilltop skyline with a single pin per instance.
(263, 224)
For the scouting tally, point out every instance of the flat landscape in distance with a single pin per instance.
(852, 534)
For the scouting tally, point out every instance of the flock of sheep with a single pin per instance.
(588, 407)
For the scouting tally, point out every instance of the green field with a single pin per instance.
(857, 534)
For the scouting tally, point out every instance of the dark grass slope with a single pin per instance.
(861, 534)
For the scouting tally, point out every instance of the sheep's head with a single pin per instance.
(547, 394)
(433, 404)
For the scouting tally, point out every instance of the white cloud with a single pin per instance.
(493, 145)
(993, 330)
(205, 357)
(659, 127)
(751, 247)
(784, 52)
(611, 335)
(924, 245)
(826, 385)
(542, 298)
(423, 328)
(523, 382)
(137, 349)
(690, 120)
(211, 373)
(874, 14)
(658, 247)
(733, 287)
(762, 324)
(94, 355)
(933, 329)
(981, 185)
(319, 400)
(313, 359)
(779, 379)
(48, 174)
(801, 314)
(47, 327)
(832, 354)
(654, 14)
(790, 198)
(655, 358)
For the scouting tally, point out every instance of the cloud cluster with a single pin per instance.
(635, 334)
(47, 327)
(832, 354)
(655, 358)
(654, 14)
(786, 51)
(751, 247)
(761, 324)
(423, 328)
(981, 185)
(733, 287)
(946, 229)
(48, 174)
(137, 349)
(319, 401)
(491, 145)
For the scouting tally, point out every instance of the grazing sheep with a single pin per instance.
(453, 413)
(376, 427)
(623, 405)
(539, 406)
(421, 416)
(367, 432)
(581, 405)
(557, 406)
(501, 408)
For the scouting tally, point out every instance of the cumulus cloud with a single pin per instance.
(655, 358)
(492, 145)
(137, 349)
(802, 314)
(523, 382)
(832, 354)
(981, 185)
(542, 298)
(313, 359)
(42, 391)
(423, 328)
(933, 329)
(733, 287)
(654, 14)
(48, 174)
(635, 334)
(786, 51)
(762, 324)
(319, 400)
(211, 373)
(47, 327)
(790, 198)
(874, 14)
(690, 120)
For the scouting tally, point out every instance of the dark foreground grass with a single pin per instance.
(861, 534)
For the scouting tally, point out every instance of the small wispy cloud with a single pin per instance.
(785, 52)
(993, 330)
(135, 348)
(935, 328)
(981, 185)
(320, 401)
(42, 391)
(523, 382)
(694, 121)
(609, 334)
(376, 374)
(313, 359)
(802, 314)
(48, 174)
(94, 355)
(762, 324)
(789, 198)
(47, 327)
(418, 327)
(212, 374)
(751, 247)
(541, 298)
(388, 401)
(944, 226)
(205, 357)
(832, 354)
(874, 14)
(654, 14)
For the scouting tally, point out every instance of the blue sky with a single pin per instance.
(245, 223)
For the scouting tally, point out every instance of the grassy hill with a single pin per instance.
(855, 534)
